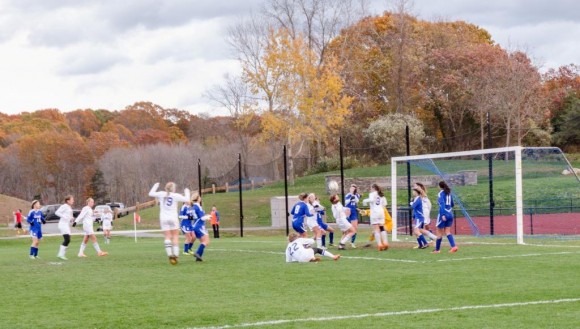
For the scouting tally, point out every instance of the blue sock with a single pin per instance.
(34, 251)
(31, 251)
(331, 237)
(200, 249)
(185, 247)
(419, 242)
(451, 240)
(353, 238)
(324, 240)
(438, 244)
(423, 240)
(190, 245)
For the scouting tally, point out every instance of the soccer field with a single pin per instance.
(245, 282)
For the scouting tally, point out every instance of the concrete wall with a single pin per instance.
(278, 210)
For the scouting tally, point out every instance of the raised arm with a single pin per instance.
(153, 191)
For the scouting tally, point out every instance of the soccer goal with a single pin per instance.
(510, 191)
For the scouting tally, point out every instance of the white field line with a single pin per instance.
(388, 314)
(506, 256)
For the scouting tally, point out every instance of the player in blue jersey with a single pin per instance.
(320, 217)
(199, 227)
(351, 201)
(35, 219)
(299, 212)
(417, 207)
(426, 212)
(445, 218)
(186, 215)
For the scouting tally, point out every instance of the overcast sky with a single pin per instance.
(71, 54)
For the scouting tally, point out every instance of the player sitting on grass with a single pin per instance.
(299, 250)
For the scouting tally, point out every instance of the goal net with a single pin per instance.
(510, 191)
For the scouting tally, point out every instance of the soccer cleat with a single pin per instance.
(367, 245)
(197, 258)
(315, 260)
(82, 255)
(102, 253)
(190, 252)
(425, 246)
(416, 247)
(173, 260)
(31, 257)
(379, 247)
(62, 257)
(331, 244)
(436, 252)
(186, 253)
(341, 247)
(385, 247)
(353, 246)
(454, 249)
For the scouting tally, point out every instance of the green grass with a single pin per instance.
(245, 280)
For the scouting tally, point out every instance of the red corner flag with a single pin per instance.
(136, 218)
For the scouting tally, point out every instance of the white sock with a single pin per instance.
(384, 236)
(378, 238)
(168, 247)
(319, 242)
(431, 235)
(175, 250)
(327, 254)
(82, 250)
(96, 246)
(346, 238)
(61, 251)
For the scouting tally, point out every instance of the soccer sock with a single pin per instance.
(200, 249)
(431, 235)
(97, 247)
(176, 250)
(419, 242)
(319, 242)
(377, 236)
(186, 247)
(323, 239)
(438, 243)
(167, 244)
(35, 251)
(345, 238)
(423, 240)
(31, 251)
(327, 254)
(61, 251)
(82, 250)
(384, 237)
(190, 246)
(331, 237)
(353, 238)
(451, 240)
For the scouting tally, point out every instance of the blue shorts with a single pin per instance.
(199, 231)
(322, 224)
(298, 226)
(419, 223)
(353, 215)
(36, 234)
(186, 226)
(443, 224)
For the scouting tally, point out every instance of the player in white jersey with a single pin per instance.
(312, 221)
(65, 213)
(168, 217)
(107, 220)
(426, 212)
(299, 250)
(378, 202)
(86, 217)
(341, 214)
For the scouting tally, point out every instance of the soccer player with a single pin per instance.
(312, 221)
(35, 219)
(426, 212)
(186, 215)
(378, 202)
(320, 218)
(168, 220)
(199, 227)
(350, 201)
(417, 206)
(341, 213)
(86, 217)
(215, 222)
(65, 213)
(299, 212)
(299, 250)
(445, 218)
(107, 221)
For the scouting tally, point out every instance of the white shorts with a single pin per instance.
(311, 222)
(88, 229)
(427, 221)
(343, 225)
(107, 226)
(378, 220)
(169, 224)
(305, 255)
(64, 228)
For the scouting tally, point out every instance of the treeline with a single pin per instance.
(312, 70)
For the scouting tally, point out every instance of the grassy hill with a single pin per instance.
(8, 205)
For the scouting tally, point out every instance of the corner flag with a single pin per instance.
(136, 218)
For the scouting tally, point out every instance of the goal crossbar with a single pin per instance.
(517, 150)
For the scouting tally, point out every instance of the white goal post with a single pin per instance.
(517, 151)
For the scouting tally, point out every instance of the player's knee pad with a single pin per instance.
(381, 228)
(66, 240)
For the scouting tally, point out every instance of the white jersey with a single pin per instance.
(297, 252)
(168, 201)
(107, 219)
(65, 213)
(426, 210)
(86, 217)
(311, 221)
(377, 205)
(338, 211)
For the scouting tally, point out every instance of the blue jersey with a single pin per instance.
(35, 219)
(186, 216)
(199, 224)
(417, 206)
(351, 202)
(299, 211)
(446, 204)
